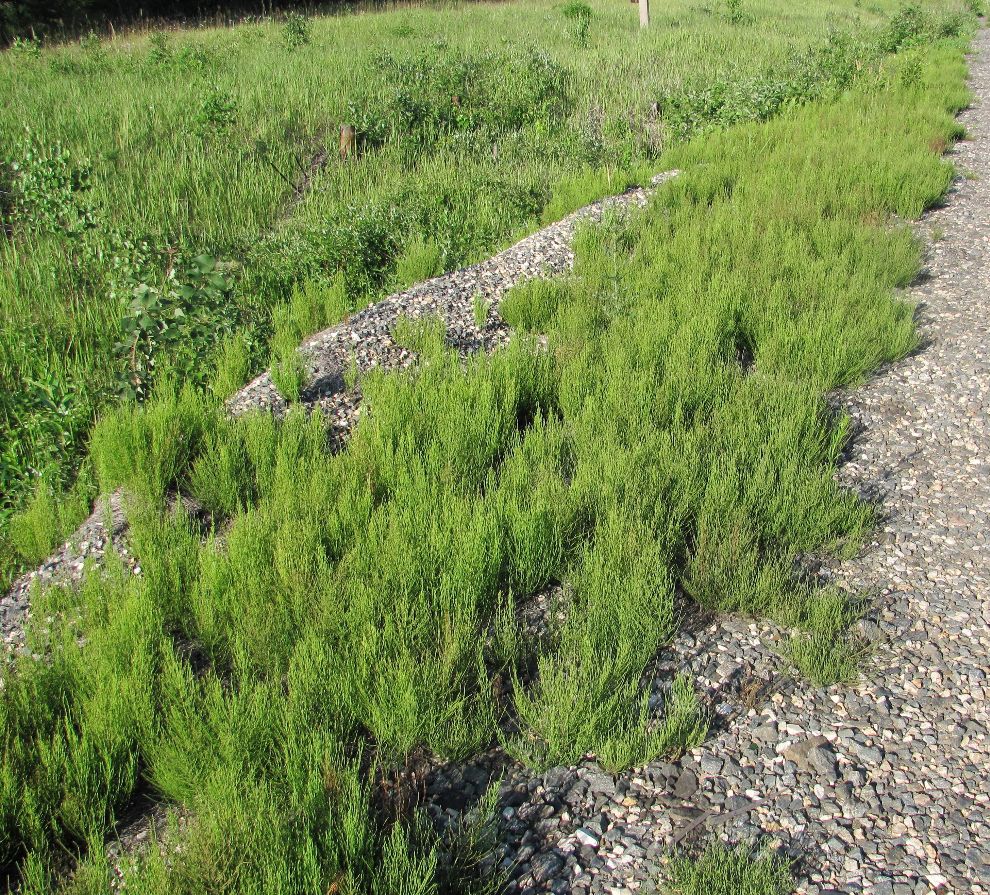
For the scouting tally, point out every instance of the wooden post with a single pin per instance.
(348, 141)
(644, 13)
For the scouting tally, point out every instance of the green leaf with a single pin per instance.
(219, 281)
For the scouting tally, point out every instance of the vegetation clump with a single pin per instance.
(721, 870)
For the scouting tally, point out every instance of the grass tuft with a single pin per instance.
(721, 870)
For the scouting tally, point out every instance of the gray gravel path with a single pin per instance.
(896, 799)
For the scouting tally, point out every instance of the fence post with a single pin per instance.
(644, 13)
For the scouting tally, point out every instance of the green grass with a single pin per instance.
(720, 870)
(189, 154)
(332, 614)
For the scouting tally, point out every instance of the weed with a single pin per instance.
(734, 12)
(174, 324)
(420, 261)
(297, 30)
(160, 51)
(532, 304)
(28, 47)
(720, 870)
(233, 366)
(481, 310)
(50, 189)
(150, 451)
(217, 112)
(45, 520)
(579, 12)
(825, 659)
(452, 164)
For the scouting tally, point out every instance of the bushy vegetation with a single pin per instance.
(183, 223)
(330, 614)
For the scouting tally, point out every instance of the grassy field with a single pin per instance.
(337, 613)
(127, 160)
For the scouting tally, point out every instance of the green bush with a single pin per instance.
(420, 99)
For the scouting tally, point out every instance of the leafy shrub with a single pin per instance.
(579, 12)
(356, 247)
(193, 57)
(173, 324)
(734, 12)
(160, 47)
(297, 30)
(217, 112)
(29, 47)
(41, 422)
(467, 216)
(50, 189)
(906, 27)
